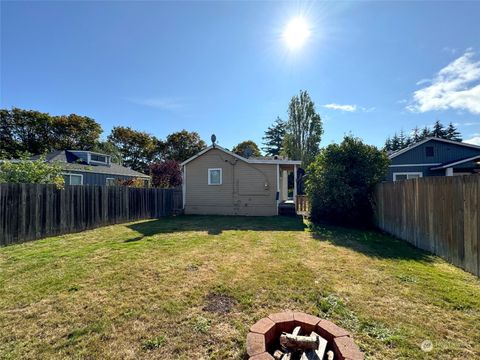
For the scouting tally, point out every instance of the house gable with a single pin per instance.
(443, 152)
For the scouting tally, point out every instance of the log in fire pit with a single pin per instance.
(296, 335)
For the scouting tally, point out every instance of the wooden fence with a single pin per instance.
(437, 214)
(302, 205)
(34, 211)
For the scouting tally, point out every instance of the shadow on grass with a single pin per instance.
(215, 225)
(370, 242)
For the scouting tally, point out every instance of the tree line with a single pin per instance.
(438, 130)
(34, 133)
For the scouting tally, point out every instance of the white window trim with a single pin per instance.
(109, 178)
(221, 176)
(420, 174)
(73, 174)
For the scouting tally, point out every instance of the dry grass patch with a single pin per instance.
(190, 287)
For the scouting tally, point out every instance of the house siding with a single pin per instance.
(246, 189)
(95, 178)
(442, 153)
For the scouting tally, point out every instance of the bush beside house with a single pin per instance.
(341, 180)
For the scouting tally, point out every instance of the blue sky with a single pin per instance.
(372, 68)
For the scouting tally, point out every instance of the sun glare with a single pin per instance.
(296, 33)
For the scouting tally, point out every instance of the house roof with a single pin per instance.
(65, 158)
(456, 162)
(408, 148)
(249, 160)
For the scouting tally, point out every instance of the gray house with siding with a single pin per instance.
(91, 168)
(434, 157)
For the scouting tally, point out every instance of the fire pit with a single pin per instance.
(296, 335)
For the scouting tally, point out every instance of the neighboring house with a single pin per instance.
(90, 168)
(434, 157)
(217, 181)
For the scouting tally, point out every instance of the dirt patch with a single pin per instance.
(219, 303)
(192, 268)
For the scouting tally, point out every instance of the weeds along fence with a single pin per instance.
(437, 214)
(34, 211)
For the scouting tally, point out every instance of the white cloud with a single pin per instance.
(349, 108)
(165, 103)
(423, 81)
(456, 86)
(471, 123)
(474, 140)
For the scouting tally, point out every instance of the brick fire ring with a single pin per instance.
(264, 334)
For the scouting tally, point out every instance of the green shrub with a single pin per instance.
(27, 171)
(341, 180)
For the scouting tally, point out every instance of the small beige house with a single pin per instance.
(217, 181)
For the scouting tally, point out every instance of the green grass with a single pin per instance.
(141, 290)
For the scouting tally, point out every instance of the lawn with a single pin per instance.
(190, 287)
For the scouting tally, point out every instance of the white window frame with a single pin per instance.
(109, 178)
(221, 176)
(73, 174)
(420, 174)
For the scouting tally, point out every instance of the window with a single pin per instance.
(110, 181)
(99, 158)
(406, 176)
(73, 179)
(429, 151)
(214, 176)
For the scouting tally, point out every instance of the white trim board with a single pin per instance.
(420, 174)
(457, 162)
(399, 152)
(405, 165)
(221, 176)
(74, 174)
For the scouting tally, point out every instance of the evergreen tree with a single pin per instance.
(395, 142)
(452, 133)
(402, 140)
(416, 136)
(425, 133)
(274, 136)
(388, 145)
(439, 130)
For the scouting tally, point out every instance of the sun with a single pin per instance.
(296, 33)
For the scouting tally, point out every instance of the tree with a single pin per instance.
(396, 143)
(274, 137)
(182, 145)
(403, 140)
(166, 174)
(28, 171)
(438, 130)
(109, 148)
(425, 133)
(247, 149)
(74, 132)
(388, 145)
(138, 148)
(38, 133)
(415, 137)
(452, 133)
(341, 181)
(303, 129)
